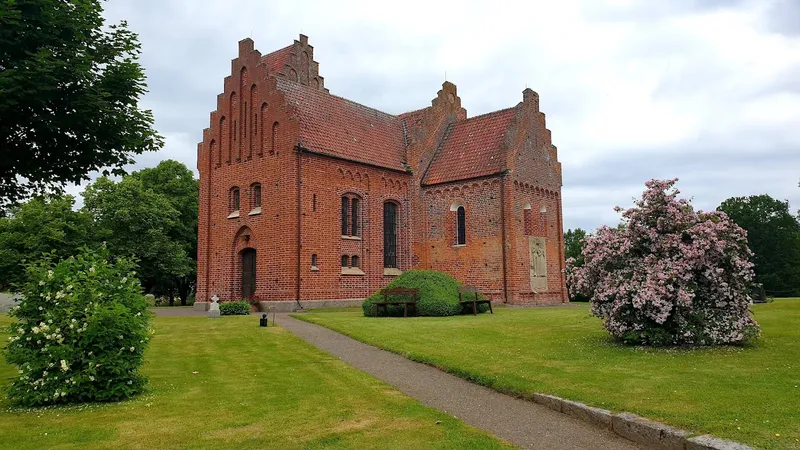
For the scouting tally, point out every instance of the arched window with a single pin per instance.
(461, 226)
(351, 216)
(274, 149)
(354, 217)
(390, 235)
(345, 214)
(255, 197)
(344, 261)
(233, 201)
(354, 261)
(314, 260)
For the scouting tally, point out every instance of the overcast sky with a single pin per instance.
(707, 91)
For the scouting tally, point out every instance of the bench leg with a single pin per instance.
(405, 310)
(490, 307)
(474, 308)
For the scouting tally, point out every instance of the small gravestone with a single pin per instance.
(213, 311)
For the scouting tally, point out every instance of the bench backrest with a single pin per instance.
(468, 290)
(411, 292)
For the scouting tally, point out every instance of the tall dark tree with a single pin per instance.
(69, 92)
(177, 184)
(773, 234)
(41, 225)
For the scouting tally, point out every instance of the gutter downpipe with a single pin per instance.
(299, 215)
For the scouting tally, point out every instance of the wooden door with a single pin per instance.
(248, 273)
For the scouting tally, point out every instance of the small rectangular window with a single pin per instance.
(314, 202)
(354, 261)
(235, 202)
(314, 259)
(344, 261)
(257, 196)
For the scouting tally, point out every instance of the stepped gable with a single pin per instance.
(341, 128)
(472, 148)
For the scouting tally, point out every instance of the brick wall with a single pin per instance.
(479, 261)
(253, 138)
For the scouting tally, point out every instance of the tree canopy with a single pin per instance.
(136, 221)
(42, 225)
(573, 245)
(774, 236)
(69, 93)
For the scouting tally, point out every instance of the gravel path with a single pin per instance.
(521, 422)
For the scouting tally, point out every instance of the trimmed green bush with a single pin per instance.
(234, 308)
(438, 295)
(81, 331)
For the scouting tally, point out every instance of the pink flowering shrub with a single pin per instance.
(669, 275)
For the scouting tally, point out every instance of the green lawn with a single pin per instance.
(748, 394)
(256, 388)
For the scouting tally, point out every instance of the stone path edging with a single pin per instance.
(627, 425)
(637, 429)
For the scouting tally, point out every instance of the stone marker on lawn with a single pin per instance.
(213, 311)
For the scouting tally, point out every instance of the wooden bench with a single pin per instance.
(411, 296)
(475, 302)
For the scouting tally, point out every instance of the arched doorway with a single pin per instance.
(248, 272)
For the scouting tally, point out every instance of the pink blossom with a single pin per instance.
(671, 275)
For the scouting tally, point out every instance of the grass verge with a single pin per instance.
(746, 393)
(254, 388)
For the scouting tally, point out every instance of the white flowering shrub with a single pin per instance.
(80, 333)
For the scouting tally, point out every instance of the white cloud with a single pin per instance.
(701, 90)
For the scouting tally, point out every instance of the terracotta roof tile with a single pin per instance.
(472, 148)
(276, 60)
(339, 127)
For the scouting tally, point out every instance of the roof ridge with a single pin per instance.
(480, 116)
(408, 113)
(360, 105)
(278, 50)
(438, 150)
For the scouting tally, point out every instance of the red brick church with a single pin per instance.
(308, 197)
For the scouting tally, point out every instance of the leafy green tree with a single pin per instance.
(773, 235)
(573, 248)
(177, 184)
(136, 221)
(42, 225)
(573, 245)
(69, 92)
